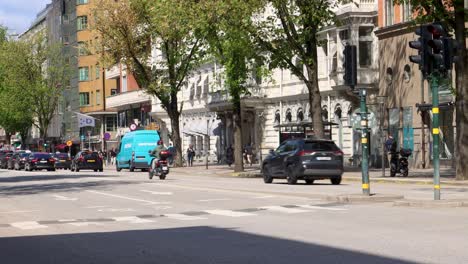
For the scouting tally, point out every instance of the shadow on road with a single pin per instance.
(50, 177)
(180, 245)
(58, 187)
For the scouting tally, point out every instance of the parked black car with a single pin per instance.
(20, 160)
(11, 161)
(307, 159)
(39, 161)
(4, 157)
(87, 160)
(62, 161)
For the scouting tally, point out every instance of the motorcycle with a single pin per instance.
(161, 168)
(400, 164)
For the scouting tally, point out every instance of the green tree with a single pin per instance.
(453, 14)
(131, 30)
(289, 35)
(231, 45)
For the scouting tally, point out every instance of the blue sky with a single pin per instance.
(18, 15)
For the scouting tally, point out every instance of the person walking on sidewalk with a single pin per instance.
(113, 155)
(248, 154)
(229, 156)
(190, 155)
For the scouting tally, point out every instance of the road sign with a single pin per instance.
(82, 137)
(69, 143)
(107, 136)
(133, 127)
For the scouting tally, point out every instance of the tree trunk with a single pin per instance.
(238, 146)
(461, 94)
(174, 115)
(315, 101)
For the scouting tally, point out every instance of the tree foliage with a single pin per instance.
(133, 31)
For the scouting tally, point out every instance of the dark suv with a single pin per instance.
(307, 159)
(39, 161)
(87, 160)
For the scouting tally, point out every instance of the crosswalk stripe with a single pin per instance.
(132, 219)
(183, 217)
(228, 213)
(28, 225)
(321, 207)
(282, 209)
(86, 224)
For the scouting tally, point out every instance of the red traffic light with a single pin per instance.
(436, 30)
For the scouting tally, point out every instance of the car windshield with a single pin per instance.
(41, 156)
(91, 155)
(23, 155)
(61, 156)
(320, 146)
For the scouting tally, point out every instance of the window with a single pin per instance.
(84, 74)
(111, 123)
(82, 22)
(98, 71)
(98, 97)
(92, 98)
(82, 49)
(365, 46)
(81, 2)
(389, 12)
(407, 11)
(407, 73)
(113, 91)
(65, 19)
(66, 40)
(288, 115)
(84, 99)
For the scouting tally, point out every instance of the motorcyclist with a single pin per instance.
(155, 153)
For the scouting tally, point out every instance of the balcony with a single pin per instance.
(358, 6)
(127, 98)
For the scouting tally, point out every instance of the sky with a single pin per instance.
(17, 15)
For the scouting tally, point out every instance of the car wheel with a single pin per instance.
(162, 176)
(336, 181)
(267, 178)
(309, 181)
(117, 167)
(101, 170)
(95, 170)
(77, 169)
(132, 169)
(291, 177)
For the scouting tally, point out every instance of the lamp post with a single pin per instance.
(207, 140)
(381, 100)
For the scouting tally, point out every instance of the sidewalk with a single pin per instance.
(416, 176)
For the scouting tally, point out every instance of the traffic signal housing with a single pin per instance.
(423, 59)
(436, 44)
(350, 66)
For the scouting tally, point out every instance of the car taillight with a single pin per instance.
(80, 159)
(7, 158)
(305, 153)
(34, 160)
(338, 153)
(52, 160)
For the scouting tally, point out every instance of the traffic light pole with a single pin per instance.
(435, 133)
(364, 143)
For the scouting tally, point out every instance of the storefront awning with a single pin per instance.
(202, 128)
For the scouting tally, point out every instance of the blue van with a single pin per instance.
(133, 150)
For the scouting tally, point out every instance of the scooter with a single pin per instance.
(161, 168)
(399, 164)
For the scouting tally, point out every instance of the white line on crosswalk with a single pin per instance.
(263, 197)
(63, 198)
(123, 197)
(157, 193)
(214, 200)
(86, 224)
(284, 209)
(183, 217)
(28, 225)
(131, 219)
(321, 207)
(228, 213)
(18, 212)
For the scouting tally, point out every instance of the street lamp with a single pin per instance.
(381, 99)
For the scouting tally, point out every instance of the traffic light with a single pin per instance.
(424, 53)
(450, 51)
(436, 43)
(350, 65)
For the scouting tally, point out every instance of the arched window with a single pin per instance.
(288, 115)
(300, 115)
(338, 112)
(277, 117)
(325, 113)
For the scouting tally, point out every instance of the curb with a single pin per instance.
(359, 198)
(432, 203)
(246, 175)
(407, 181)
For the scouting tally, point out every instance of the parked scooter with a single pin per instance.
(161, 168)
(400, 164)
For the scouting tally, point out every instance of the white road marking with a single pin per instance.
(213, 200)
(123, 197)
(28, 225)
(63, 198)
(97, 206)
(321, 207)
(18, 212)
(116, 210)
(157, 193)
(86, 224)
(228, 213)
(183, 217)
(282, 209)
(67, 220)
(263, 197)
(162, 207)
(131, 219)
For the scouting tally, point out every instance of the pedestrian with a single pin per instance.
(229, 155)
(190, 155)
(171, 150)
(104, 157)
(248, 154)
(113, 155)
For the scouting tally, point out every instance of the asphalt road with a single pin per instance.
(192, 217)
